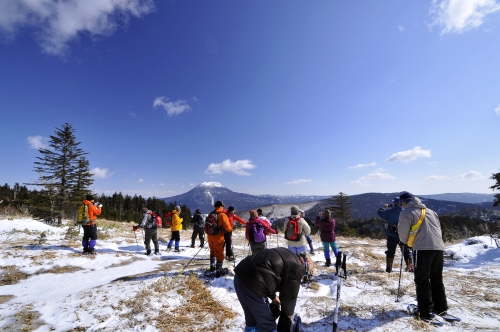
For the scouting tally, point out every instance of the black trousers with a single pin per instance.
(429, 281)
(198, 232)
(151, 234)
(228, 239)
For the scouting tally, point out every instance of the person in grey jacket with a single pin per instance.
(428, 250)
(151, 231)
(300, 245)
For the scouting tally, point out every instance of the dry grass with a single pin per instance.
(25, 320)
(60, 269)
(124, 263)
(5, 298)
(10, 275)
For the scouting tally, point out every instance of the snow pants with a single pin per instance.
(228, 239)
(151, 234)
(257, 312)
(89, 237)
(429, 281)
(392, 243)
(216, 244)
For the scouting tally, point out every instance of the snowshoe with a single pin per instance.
(449, 318)
(221, 272)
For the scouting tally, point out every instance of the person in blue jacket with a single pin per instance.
(391, 215)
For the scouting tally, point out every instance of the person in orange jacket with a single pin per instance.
(176, 228)
(216, 241)
(90, 227)
(228, 236)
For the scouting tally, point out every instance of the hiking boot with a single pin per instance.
(86, 253)
(192, 246)
(389, 261)
(230, 258)
(157, 253)
(212, 268)
(169, 247)
(328, 262)
(148, 253)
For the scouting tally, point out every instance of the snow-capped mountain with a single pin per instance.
(205, 194)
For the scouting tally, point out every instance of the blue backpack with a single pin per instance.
(257, 233)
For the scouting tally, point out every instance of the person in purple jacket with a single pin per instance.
(326, 224)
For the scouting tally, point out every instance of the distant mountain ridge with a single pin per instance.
(364, 206)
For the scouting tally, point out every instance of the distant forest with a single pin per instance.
(124, 208)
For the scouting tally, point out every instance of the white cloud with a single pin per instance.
(101, 173)
(162, 184)
(237, 167)
(140, 180)
(461, 15)
(497, 110)
(171, 107)
(401, 29)
(410, 155)
(132, 114)
(436, 177)
(471, 175)
(56, 23)
(300, 181)
(373, 176)
(358, 166)
(38, 142)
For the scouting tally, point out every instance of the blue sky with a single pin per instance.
(265, 97)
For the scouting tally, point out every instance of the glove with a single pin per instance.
(134, 228)
(99, 206)
(386, 225)
(284, 323)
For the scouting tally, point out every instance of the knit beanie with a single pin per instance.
(294, 210)
(253, 214)
(89, 197)
(197, 211)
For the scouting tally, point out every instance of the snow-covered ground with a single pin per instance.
(46, 285)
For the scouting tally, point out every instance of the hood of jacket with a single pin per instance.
(415, 203)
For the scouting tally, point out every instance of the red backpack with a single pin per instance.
(159, 222)
(168, 219)
(292, 231)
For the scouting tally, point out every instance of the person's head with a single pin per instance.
(302, 213)
(405, 198)
(327, 214)
(144, 210)
(253, 214)
(89, 197)
(230, 209)
(218, 204)
(294, 210)
(395, 201)
(197, 211)
(259, 211)
(177, 208)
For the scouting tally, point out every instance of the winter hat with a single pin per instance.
(177, 207)
(396, 200)
(230, 209)
(253, 214)
(144, 209)
(405, 197)
(259, 211)
(197, 211)
(327, 214)
(218, 204)
(89, 197)
(294, 210)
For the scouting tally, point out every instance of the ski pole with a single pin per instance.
(400, 269)
(340, 265)
(190, 260)
(136, 241)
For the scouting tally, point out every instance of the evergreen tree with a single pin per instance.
(341, 208)
(63, 172)
(496, 186)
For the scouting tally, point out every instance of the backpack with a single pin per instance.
(156, 217)
(292, 231)
(168, 219)
(211, 224)
(257, 233)
(199, 220)
(83, 214)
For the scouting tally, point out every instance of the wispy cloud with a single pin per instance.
(460, 15)
(300, 181)
(38, 142)
(171, 107)
(237, 167)
(358, 166)
(59, 22)
(101, 173)
(436, 177)
(401, 29)
(471, 175)
(140, 180)
(497, 110)
(373, 176)
(132, 114)
(410, 155)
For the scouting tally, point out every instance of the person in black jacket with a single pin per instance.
(261, 276)
(198, 228)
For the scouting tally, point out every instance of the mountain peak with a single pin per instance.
(211, 185)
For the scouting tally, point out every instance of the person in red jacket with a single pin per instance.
(257, 246)
(228, 236)
(90, 228)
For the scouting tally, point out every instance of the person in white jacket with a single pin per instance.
(296, 237)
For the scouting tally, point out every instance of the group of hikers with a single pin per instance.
(266, 273)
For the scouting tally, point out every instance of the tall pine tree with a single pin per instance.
(63, 171)
(496, 186)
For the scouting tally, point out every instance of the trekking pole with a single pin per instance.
(400, 269)
(190, 261)
(234, 256)
(136, 241)
(340, 265)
